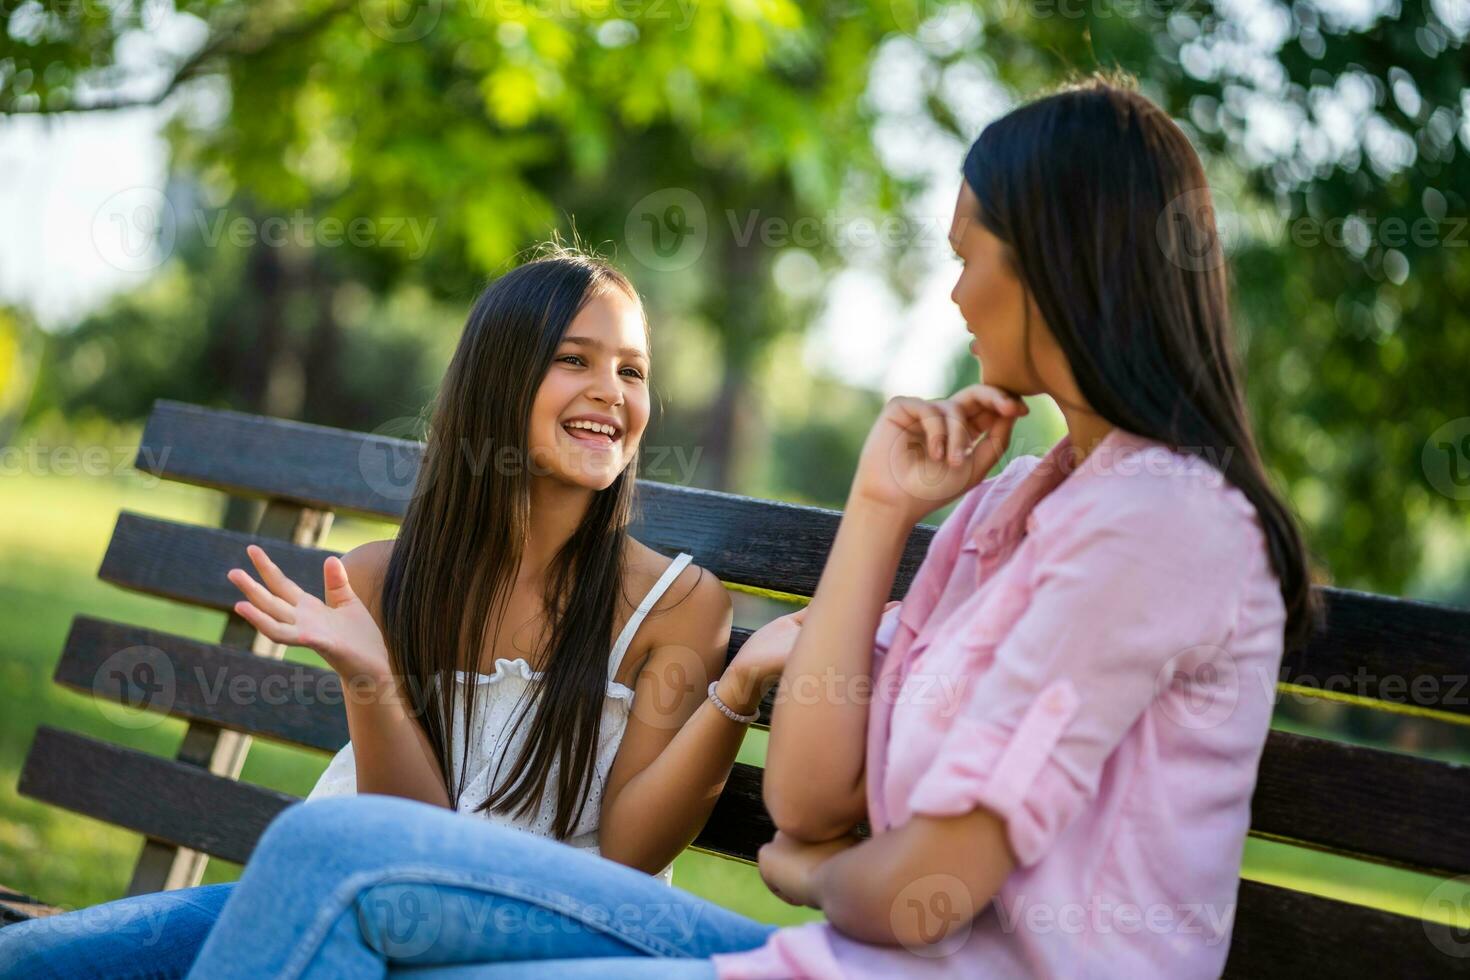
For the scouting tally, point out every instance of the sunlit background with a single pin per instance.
(286, 208)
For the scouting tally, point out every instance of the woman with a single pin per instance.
(1044, 801)
(582, 663)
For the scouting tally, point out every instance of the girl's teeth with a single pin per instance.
(590, 428)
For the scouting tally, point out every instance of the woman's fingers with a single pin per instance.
(960, 437)
(273, 577)
(928, 417)
(975, 400)
(265, 624)
(262, 598)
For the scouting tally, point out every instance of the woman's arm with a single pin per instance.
(392, 753)
(918, 456)
(915, 886)
(678, 748)
(813, 785)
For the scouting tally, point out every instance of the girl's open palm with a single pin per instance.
(921, 454)
(341, 629)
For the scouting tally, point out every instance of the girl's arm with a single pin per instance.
(392, 753)
(918, 456)
(678, 748)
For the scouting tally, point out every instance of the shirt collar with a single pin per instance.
(1004, 524)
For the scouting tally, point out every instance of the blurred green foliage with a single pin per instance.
(490, 125)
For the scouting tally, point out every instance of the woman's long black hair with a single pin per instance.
(454, 564)
(1103, 205)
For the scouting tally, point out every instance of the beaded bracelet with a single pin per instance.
(730, 712)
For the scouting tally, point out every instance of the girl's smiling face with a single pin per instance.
(597, 378)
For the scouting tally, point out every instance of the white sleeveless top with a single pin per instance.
(495, 710)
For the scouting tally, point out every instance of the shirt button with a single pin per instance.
(1056, 703)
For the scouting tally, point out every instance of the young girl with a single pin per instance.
(1059, 731)
(512, 576)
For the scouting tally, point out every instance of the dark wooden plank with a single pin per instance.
(164, 799)
(16, 906)
(1404, 652)
(1289, 934)
(224, 686)
(188, 563)
(1391, 807)
(252, 455)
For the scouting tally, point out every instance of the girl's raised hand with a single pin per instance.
(921, 454)
(341, 629)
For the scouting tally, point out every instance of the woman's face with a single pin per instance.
(598, 376)
(995, 306)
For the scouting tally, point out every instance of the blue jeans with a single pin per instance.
(358, 886)
(146, 937)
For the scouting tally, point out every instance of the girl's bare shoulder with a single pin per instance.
(366, 565)
(696, 598)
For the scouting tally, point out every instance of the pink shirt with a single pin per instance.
(1090, 652)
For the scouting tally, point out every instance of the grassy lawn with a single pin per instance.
(52, 536)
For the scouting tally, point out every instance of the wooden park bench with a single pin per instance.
(1371, 804)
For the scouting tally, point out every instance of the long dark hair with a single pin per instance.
(1103, 205)
(455, 562)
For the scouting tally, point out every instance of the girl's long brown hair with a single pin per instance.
(1105, 209)
(456, 559)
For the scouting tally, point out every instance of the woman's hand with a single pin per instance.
(787, 864)
(922, 454)
(341, 629)
(760, 661)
